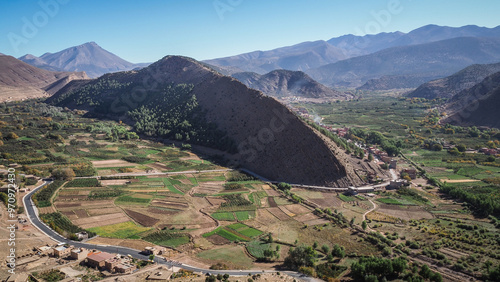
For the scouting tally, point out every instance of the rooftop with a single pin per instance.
(100, 256)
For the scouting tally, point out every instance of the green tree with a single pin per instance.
(11, 136)
(63, 173)
(364, 225)
(301, 256)
(461, 148)
(338, 251)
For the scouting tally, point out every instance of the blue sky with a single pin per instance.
(145, 31)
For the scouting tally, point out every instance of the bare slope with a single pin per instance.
(477, 105)
(269, 138)
(449, 86)
(285, 83)
(19, 80)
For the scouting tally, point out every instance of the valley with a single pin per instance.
(327, 141)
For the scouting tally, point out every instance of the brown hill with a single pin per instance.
(478, 105)
(19, 80)
(180, 98)
(285, 83)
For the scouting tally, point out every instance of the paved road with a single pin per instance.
(158, 173)
(32, 213)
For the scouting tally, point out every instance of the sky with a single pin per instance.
(145, 31)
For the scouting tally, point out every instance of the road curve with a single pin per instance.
(32, 214)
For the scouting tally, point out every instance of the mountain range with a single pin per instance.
(88, 57)
(19, 80)
(449, 86)
(435, 59)
(285, 83)
(185, 100)
(343, 54)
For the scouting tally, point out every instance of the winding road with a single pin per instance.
(32, 213)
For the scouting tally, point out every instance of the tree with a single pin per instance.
(425, 272)
(315, 245)
(11, 136)
(461, 148)
(63, 173)
(364, 225)
(370, 157)
(338, 251)
(300, 256)
(437, 147)
(325, 249)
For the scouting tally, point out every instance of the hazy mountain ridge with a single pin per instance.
(300, 57)
(434, 59)
(449, 86)
(309, 55)
(477, 105)
(289, 151)
(88, 57)
(285, 83)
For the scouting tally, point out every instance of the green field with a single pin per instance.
(223, 216)
(132, 200)
(256, 248)
(389, 201)
(167, 238)
(233, 255)
(346, 198)
(122, 230)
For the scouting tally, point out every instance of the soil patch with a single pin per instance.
(272, 202)
(141, 218)
(217, 240)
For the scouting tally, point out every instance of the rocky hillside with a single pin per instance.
(19, 80)
(477, 105)
(88, 57)
(449, 86)
(180, 98)
(284, 83)
(441, 58)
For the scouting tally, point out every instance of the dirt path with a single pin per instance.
(368, 211)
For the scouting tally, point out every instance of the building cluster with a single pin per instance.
(113, 263)
(490, 152)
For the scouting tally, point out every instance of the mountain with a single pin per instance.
(477, 105)
(88, 57)
(300, 57)
(449, 86)
(38, 62)
(285, 83)
(19, 80)
(395, 82)
(367, 44)
(439, 58)
(189, 102)
(309, 55)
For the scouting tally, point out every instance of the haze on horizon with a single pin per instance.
(218, 28)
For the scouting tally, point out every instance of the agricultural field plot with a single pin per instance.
(167, 238)
(169, 204)
(141, 218)
(112, 164)
(118, 182)
(286, 211)
(134, 199)
(265, 217)
(298, 209)
(245, 230)
(278, 213)
(322, 199)
(233, 256)
(210, 177)
(101, 220)
(216, 239)
(215, 201)
(208, 188)
(271, 192)
(125, 229)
